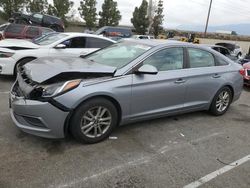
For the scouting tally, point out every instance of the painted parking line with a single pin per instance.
(4, 92)
(219, 172)
(135, 162)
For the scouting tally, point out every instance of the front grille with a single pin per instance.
(26, 86)
(25, 78)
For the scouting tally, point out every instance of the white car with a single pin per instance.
(15, 51)
(2, 28)
(143, 37)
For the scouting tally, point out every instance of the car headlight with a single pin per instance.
(6, 54)
(59, 88)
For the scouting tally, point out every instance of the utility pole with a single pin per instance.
(150, 14)
(208, 15)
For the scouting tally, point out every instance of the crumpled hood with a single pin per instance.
(6, 50)
(18, 43)
(43, 69)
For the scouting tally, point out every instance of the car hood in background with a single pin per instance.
(18, 43)
(45, 69)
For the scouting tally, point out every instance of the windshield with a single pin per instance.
(2, 27)
(118, 55)
(49, 39)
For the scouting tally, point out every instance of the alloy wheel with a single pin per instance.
(96, 121)
(223, 101)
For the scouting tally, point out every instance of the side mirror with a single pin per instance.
(147, 69)
(60, 46)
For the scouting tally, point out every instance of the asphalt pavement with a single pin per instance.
(184, 150)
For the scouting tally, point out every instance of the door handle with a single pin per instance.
(180, 81)
(216, 76)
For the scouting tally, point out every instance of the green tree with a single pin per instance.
(110, 15)
(38, 6)
(87, 11)
(158, 19)
(140, 19)
(60, 8)
(10, 6)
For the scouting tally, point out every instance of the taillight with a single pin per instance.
(242, 72)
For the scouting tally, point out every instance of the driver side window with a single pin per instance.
(167, 59)
(77, 42)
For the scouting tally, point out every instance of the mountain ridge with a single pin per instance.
(240, 29)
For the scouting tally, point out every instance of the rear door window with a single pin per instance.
(32, 31)
(200, 58)
(97, 43)
(77, 42)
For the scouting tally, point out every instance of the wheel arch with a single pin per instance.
(226, 85)
(107, 97)
(231, 88)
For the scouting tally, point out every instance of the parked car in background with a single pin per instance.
(16, 51)
(142, 37)
(2, 28)
(129, 81)
(109, 31)
(246, 67)
(20, 31)
(39, 19)
(235, 49)
(223, 51)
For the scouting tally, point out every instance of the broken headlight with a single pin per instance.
(6, 54)
(59, 88)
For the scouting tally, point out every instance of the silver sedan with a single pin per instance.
(126, 82)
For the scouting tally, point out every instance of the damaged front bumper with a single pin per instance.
(36, 117)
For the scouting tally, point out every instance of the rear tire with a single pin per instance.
(94, 121)
(221, 101)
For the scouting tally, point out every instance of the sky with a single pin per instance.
(189, 12)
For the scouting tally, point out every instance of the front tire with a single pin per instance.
(94, 121)
(221, 101)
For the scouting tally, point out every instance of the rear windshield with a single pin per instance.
(113, 31)
(49, 39)
(2, 27)
(15, 28)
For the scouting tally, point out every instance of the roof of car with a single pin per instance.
(229, 43)
(157, 42)
(87, 35)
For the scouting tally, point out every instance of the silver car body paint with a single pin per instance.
(137, 96)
